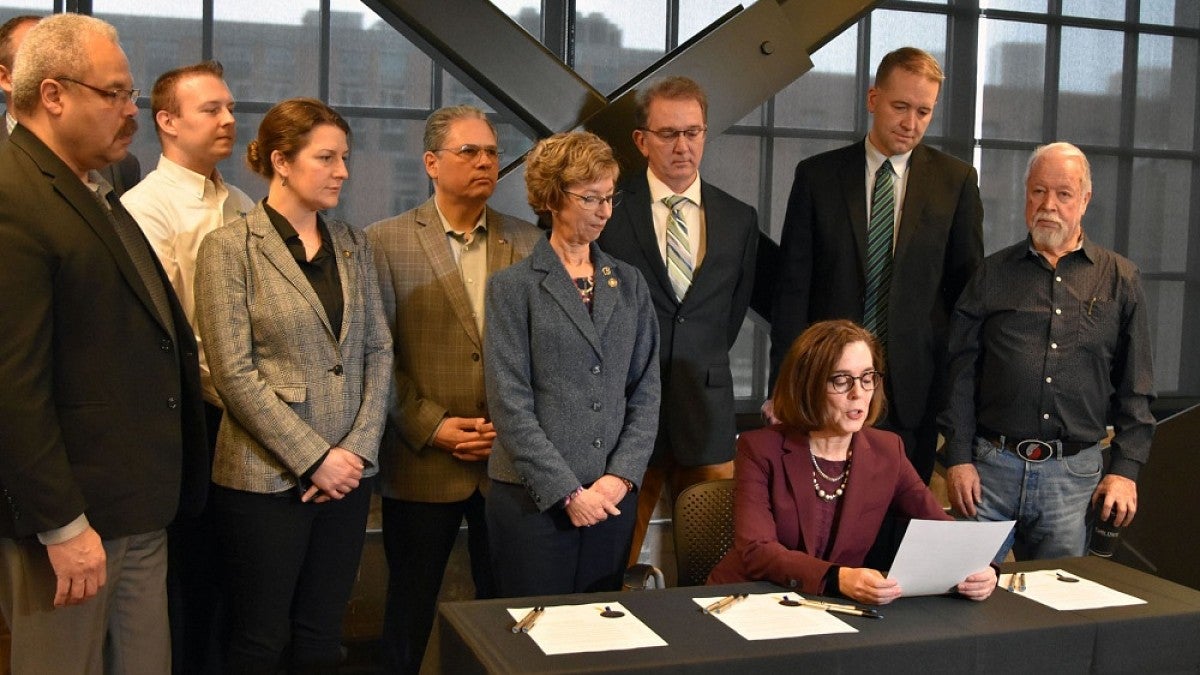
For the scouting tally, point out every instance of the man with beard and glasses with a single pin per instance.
(100, 413)
(176, 205)
(1049, 343)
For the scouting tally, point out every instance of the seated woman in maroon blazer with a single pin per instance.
(812, 490)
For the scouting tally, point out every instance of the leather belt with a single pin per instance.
(1035, 449)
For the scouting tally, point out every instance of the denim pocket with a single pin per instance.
(1086, 464)
(984, 449)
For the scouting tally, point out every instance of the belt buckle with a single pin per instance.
(1035, 450)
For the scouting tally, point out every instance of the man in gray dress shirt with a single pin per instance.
(1049, 344)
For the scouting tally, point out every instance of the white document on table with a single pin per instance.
(937, 554)
(1051, 588)
(761, 617)
(572, 629)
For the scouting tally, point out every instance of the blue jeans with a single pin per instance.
(1049, 500)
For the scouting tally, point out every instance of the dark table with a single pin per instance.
(1006, 634)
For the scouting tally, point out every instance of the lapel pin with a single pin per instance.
(347, 252)
(606, 270)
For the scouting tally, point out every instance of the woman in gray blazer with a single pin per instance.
(300, 352)
(571, 364)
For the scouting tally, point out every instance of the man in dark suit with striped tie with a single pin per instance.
(886, 232)
(696, 246)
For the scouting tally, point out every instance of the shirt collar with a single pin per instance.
(875, 160)
(191, 182)
(10, 122)
(660, 191)
(1087, 246)
(480, 225)
(285, 229)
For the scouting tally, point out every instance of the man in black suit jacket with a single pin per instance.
(937, 246)
(122, 174)
(100, 414)
(699, 318)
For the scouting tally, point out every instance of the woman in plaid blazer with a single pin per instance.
(292, 323)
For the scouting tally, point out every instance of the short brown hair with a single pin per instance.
(437, 127)
(286, 127)
(911, 59)
(562, 160)
(675, 88)
(801, 390)
(163, 97)
(7, 51)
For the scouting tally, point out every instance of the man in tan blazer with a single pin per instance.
(434, 262)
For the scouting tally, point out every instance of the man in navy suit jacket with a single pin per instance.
(936, 247)
(699, 318)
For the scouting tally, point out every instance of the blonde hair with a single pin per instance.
(911, 59)
(562, 160)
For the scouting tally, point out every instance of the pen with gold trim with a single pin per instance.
(717, 606)
(522, 626)
(841, 609)
(733, 599)
(537, 614)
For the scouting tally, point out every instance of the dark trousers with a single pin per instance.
(194, 583)
(290, 568)
(536, 553)
(418, 538)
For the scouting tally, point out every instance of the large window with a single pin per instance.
(1117, 77)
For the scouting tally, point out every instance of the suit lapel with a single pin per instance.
(604, 297)
(432, 237)
(798, 468)
(638, 214)
(854, 188)
(278, 255)
(916, 192)
(861, 488)
(560, 287)
(85, 203)
(344, 249)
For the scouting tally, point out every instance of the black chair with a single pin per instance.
(703, 529)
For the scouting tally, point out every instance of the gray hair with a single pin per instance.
(55, 47)
(437, 127)
(1067, 150)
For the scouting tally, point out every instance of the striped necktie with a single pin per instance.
(679, 247)
(879, 251)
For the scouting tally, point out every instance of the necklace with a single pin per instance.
(844, 478)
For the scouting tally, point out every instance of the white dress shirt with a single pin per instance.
(176, 208)
(693, 216)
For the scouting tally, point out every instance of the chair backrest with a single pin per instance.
(703, 528)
